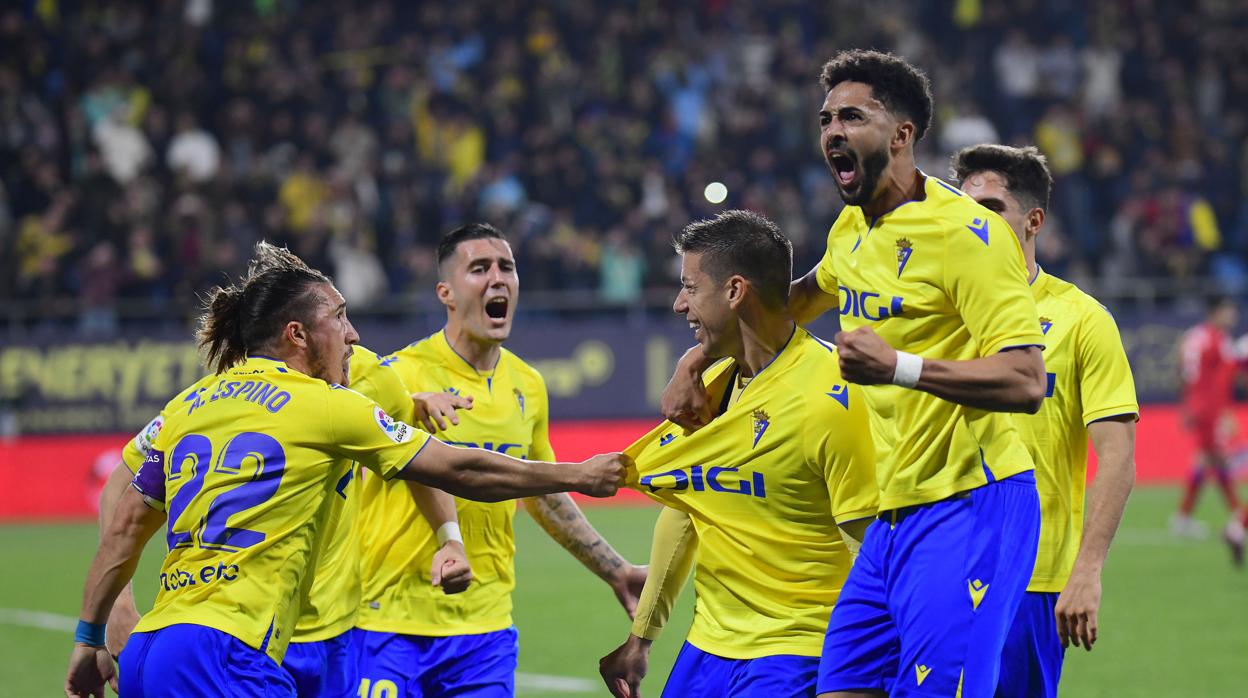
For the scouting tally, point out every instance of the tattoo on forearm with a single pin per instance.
(566, 524)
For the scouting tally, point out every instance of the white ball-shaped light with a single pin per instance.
(716, 192)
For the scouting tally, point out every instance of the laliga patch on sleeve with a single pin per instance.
(147, 436)
(398, 432)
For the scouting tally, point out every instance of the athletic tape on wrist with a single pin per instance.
(90, 633)
(449, 531)
(909, 368)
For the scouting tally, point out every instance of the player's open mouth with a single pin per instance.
(845, 167)
(496, 308)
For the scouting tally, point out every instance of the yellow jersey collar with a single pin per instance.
(1039, 283)
(453, 361)
(266, 361)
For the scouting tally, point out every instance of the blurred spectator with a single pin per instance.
(193, 152)
(145, 147)
(623, 269)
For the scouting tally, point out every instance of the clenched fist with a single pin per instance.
(603, 474)
(451, 570)
(865, 358)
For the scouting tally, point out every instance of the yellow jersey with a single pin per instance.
(1089, 379)
(247, 465)
(765, 484)
(943, 278)
(509, 415)
(334, 593)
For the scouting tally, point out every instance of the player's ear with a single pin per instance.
(1035, 220)
(737, 285)
(445, 294)
(295, 333)
(903, 134)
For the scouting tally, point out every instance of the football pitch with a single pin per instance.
(1174, 621)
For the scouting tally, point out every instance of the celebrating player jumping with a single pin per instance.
(941, 329)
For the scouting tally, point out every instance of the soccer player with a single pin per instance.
(412, 639)
(1091, 394)
(320, 658)
(246, 469)
(771, 499)
(1207, 364)
(939, 325)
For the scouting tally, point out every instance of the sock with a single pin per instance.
(1227, 485)
(1191, 491)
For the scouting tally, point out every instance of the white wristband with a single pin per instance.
(909, 368)
(449, 531)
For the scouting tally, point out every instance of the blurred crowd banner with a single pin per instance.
(61, 384)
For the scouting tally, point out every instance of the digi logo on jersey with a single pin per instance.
(869, 305)
(695, 479)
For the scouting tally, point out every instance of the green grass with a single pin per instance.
(1174, 621)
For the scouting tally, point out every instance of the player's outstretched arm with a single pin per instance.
(125, 613)
(1012, 380)
(808, 300)
(1114, 442)
(132, 524)
(486, 476)
(672, 555)
(566, 524)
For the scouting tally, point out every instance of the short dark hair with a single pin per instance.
(902, 88)
(1025, 170)
(473, 231)
(744, 243)
(249, 315)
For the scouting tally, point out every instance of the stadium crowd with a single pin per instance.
(144, 147)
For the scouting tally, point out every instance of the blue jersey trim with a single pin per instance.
(264, 644)
(488, 374)
(792, 334)
(941, 182)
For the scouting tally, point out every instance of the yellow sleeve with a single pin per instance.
(841, 448)
(137, 448)
(402, 363)
(672, 554)
(362, 431)
(825, 273)
(541, 448)
(383, 385)
(985, 276)
(1106, 387)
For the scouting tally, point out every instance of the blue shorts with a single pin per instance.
(323, 669)
(933, 593)
(195, 660)
(1031, 663)
(699, 674)
(415, 666)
